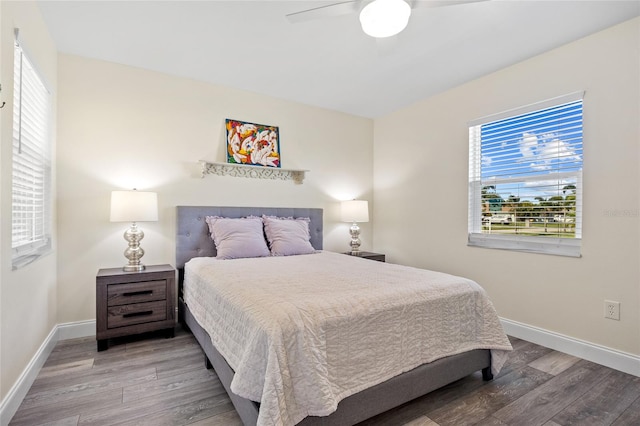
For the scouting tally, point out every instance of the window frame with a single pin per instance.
(514, 242)
(32, 119)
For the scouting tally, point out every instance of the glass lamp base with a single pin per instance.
(133, 268)
(134, 252)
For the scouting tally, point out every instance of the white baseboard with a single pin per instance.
(18, 391)
(74, 330)
(602, 355)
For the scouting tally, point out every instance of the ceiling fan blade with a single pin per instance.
(440, 3)
(335, 9)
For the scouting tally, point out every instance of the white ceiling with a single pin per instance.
(328, 63)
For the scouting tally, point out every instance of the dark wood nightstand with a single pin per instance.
(134, 302)
(368, 255)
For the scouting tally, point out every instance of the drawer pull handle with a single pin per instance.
(137, 293)
(137, 314)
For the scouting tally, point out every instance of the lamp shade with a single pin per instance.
(385, 18)
(134, 206)
(355, 211)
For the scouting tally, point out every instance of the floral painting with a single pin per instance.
(252, 144)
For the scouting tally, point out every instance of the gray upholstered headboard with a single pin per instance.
(192, 232)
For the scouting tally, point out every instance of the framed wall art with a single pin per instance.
(252, 144)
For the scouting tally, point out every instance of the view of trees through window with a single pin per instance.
(555, 214)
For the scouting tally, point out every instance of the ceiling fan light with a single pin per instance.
(384, 18)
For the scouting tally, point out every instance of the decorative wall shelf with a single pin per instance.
(255, 172)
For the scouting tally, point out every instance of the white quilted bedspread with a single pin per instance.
(304, 332)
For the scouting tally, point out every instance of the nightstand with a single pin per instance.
(368, 255)
(130, 303)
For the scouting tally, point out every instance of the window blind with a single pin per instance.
(31, 173)
(525, 178)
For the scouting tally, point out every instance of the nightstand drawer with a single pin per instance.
(137, 313)
(124, 294)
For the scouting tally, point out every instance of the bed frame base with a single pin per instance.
(362, 405)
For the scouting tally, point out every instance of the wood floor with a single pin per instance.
(158, 381)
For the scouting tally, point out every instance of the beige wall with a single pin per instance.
(28, 303)
(122, 127)
(421, 161)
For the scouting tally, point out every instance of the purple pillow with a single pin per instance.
(237, 238)
(288, 236)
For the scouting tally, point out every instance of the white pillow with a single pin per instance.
(288, 236)
(237, 237)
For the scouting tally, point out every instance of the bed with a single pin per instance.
(380, 394)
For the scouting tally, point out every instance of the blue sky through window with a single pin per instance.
(529, 151)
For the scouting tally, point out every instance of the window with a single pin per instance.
(31, 175)
(525, 178)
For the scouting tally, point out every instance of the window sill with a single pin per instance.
(21, 260)
(569, 247)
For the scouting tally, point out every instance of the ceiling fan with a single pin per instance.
(378, 18)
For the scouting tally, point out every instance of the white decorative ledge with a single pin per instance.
(255, 172)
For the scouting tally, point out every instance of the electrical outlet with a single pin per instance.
(612, 310)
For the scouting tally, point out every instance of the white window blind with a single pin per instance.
(31, 175)
(525, 178)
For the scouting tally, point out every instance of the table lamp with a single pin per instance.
(134, 206)
(355, 211)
